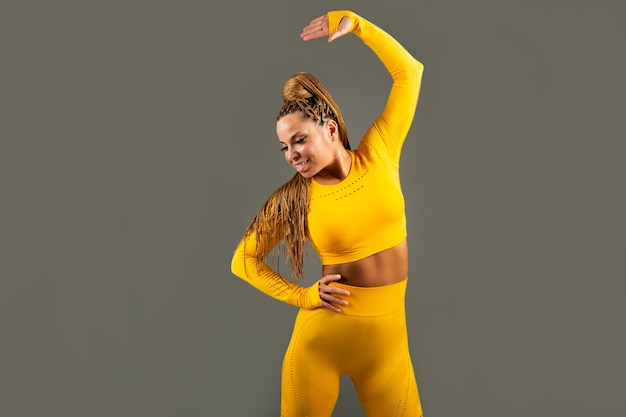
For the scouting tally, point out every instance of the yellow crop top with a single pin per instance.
(364, 213)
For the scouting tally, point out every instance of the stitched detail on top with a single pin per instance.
(342, 189)
(350, 193)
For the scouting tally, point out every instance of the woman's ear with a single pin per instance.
(333, 129)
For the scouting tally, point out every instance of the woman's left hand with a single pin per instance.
(318, 28)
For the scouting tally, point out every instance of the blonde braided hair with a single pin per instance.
(282, 220)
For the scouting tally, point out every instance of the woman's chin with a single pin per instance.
(306, 172)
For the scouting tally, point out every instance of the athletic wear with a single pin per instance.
(367, 342)
(364, 214)
(358, 217)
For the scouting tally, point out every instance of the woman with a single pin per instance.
(350, 206)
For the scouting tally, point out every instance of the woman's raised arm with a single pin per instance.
(393, 124)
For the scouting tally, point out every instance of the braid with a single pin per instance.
(303, 92)
(283, 217)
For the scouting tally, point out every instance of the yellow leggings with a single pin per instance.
(367, 341)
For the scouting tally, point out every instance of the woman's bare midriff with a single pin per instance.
(382, 268)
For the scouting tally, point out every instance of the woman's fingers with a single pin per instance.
(329, 278)
(332, 299)
(330, 307)
(328, 293)
(317, 28)
(329, 289)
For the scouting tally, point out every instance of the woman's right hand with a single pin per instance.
(328, 293)
(318, 28)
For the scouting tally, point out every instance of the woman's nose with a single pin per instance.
(291, 155)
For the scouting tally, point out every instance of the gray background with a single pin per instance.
(137, 142)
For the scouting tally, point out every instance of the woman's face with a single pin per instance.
(308, 146)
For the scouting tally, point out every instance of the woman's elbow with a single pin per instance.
(419, 69)
(237, 263)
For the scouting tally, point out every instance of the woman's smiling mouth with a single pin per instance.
(300, 166)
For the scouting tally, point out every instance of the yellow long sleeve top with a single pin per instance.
(364, 213)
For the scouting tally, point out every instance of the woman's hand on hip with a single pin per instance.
(328, 293)
(318, 28)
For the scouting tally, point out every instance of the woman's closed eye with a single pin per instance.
(297, 142)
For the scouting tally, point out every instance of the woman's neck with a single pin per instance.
(337, 170)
